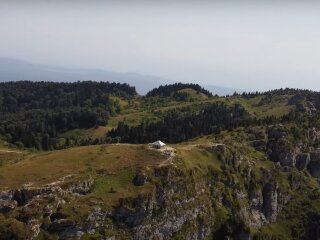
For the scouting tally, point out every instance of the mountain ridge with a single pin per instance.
(15, 70)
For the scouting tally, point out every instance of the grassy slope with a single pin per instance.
(44, 168)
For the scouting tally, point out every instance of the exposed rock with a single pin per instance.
(287, 159)
(270, 202)
(313, 134)
(81, 187)
(35, 227)
(276, 132)
(23, 196)
(66, 229)
(140, 179)
(280, 149)
(303, 160)
(314, 165)
(7, 205)
(132, 213)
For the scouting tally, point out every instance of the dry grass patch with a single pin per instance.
(47, 167)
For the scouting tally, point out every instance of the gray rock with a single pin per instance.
(302, 161)
(81, 187)
(65, 229)
(314, 165)
(270, 202)
(276, 133)
(7, 205)
(24, 195)
(287, 159)
(140, 179)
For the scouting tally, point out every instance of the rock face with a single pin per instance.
(303, 159)
(161, 215)
(7, 205)
(140, 179)
(181, 205)
(81, 187)
(279, 149)
(314, 165)
(313, 134)
(270, 202)
(288, 154)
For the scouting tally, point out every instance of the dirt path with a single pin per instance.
(9, 151)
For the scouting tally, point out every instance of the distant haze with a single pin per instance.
(254, 45)
(13, 69)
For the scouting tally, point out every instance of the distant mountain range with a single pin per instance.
(14, 70)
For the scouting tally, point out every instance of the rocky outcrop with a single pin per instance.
(173, 205)
(303, 160)
(276, 132)
(66, 229)
(278, 148)
(140, 179)
(270, 202)
(282, 154)
(313, 134)
(314, 165)
(7, 205)
(81, 187)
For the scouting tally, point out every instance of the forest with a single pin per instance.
(178, 127)
(32, 114)
(173, 90)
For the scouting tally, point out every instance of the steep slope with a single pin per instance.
(193, 191)
(247, 166)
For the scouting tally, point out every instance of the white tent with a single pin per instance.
(158, 144)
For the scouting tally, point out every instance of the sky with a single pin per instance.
(253, 45)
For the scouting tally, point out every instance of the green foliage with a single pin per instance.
(33, 114)
(173, 90)
(178, 126)
(10, 228)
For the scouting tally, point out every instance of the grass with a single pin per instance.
(98, 132)
(193, 94)
(200, 159)
(278, 105)
(44, 168)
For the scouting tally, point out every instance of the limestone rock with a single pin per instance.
(82, 187)
(270, 202)
(303, 159)
(7, 205)
(314, 165)
(140, 179)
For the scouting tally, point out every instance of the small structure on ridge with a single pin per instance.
(158, 144)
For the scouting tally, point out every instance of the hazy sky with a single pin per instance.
(247, 45)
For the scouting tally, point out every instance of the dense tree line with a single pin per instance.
(281, 91)
(171, 89)
(177, 127)
(33, 114)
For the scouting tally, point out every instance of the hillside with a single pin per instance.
(239, 167)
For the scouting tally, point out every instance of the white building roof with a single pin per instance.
(158, 143)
